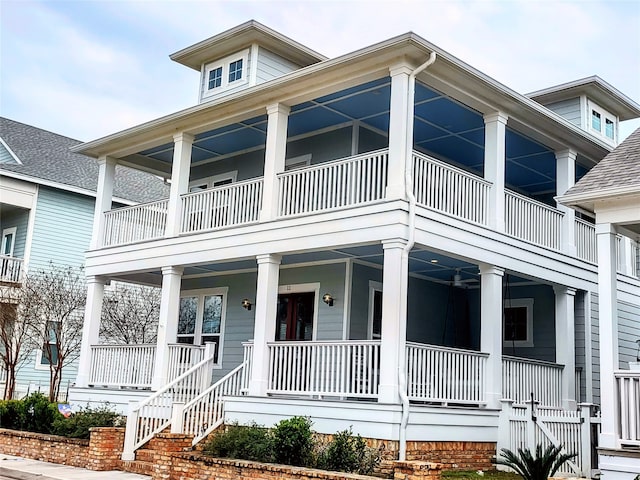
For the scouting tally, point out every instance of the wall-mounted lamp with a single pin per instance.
(246, 304)
(328, 299)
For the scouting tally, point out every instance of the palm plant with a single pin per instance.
(539, 467)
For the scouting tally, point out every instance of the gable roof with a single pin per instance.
(46, 157)
(617, 174)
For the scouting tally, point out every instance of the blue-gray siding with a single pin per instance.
(5, 155)
(272, 66)
(628, 333)
(18, 218)
(569, 109)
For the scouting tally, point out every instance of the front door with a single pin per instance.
(295, 316)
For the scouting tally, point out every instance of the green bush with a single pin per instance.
(79, 424)
(38, 414)
(11, 414)
(293, 442)
(250, 442)
(346, 453)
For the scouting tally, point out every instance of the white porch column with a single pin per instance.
(265, 321)
(566, 343)
(608, 330)
(494, 165)
(395, 279)
(182, 143)
(90, 328)
(104, 195)
(491, 312)
(274, 156)
(399, 129)
(168, 323)
(565, 179)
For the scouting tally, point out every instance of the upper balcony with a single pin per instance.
(347, 149)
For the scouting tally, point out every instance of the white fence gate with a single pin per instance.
(525, 426)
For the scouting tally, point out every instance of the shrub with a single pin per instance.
(250, 442)
(542, 466)
(293, 442)
(346, 453)
(38, 414)
(79, 424)
(11, 414)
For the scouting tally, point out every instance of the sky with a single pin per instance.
(89, 68)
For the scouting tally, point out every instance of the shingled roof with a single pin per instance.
(619, 169)
(47, 156)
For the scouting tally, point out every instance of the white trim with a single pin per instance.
(253, 61)
(518, 303)
(305, 288)
(40, 366)
(209, 182)
(197, 335)
(374, 286)
(31, 226)
(346, 315)
(8, 148)
(5, 232)
(62, 186)
(355, 137)
(224, 64)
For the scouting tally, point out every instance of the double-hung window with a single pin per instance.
(201, 318)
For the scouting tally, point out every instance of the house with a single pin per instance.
(47, 200)
(611, 190)
(371, 240)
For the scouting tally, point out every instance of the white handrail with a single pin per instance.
(628, 408)
(586, 245)
(533, 221)
(447, 189)
(122, 365)
(352, 181)
(11, 269)
(444, 374)
(340, 368)
(523, 376)
(145, 221)
(153, 414)
(223, 206)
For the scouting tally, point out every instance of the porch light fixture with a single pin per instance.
(328, 299)
(457, 279)
(246, 304)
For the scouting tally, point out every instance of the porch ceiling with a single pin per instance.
(444, 128)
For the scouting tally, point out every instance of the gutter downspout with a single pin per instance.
(408, 180)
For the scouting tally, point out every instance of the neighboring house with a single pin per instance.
(612, 192)
(370, 240)
(47, 203)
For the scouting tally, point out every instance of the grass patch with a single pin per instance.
(474, 475)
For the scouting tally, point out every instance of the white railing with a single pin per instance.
(182, 357)
(153, 414)
(353, 181)
(205, 413)
(446, 375)
(628, 408)
(450, 190)
(223, 206)
(620, 251)
(248, 362)
(134, 224)
(586, 244)
(122, 365)
(521, 377)
(10, 269)
(533, 221)
(342, 368)
(635, 259)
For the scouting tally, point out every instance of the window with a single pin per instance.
(375, 311)
(215, 78)
(608, 128)
(235, 71)
(201, 318)
(297, 162)
(226, 73)
(8, 241)
(215, 181)
(48, 355)
(517, 328)
(596, 120)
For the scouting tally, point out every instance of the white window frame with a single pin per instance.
(209, 182)
(197, 335)
(373, 287)
(518, 303)
(305, 288)
(5, 233)
(39, 355)
(604, 116)
(225, 63)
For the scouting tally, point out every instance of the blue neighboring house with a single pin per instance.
(47, 201)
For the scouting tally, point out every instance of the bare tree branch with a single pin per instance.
(130, 314)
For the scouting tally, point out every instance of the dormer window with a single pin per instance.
(608, 128)
(225, 74)
(596, 121)
(602, 123)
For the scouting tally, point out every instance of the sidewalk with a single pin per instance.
(18, 468)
